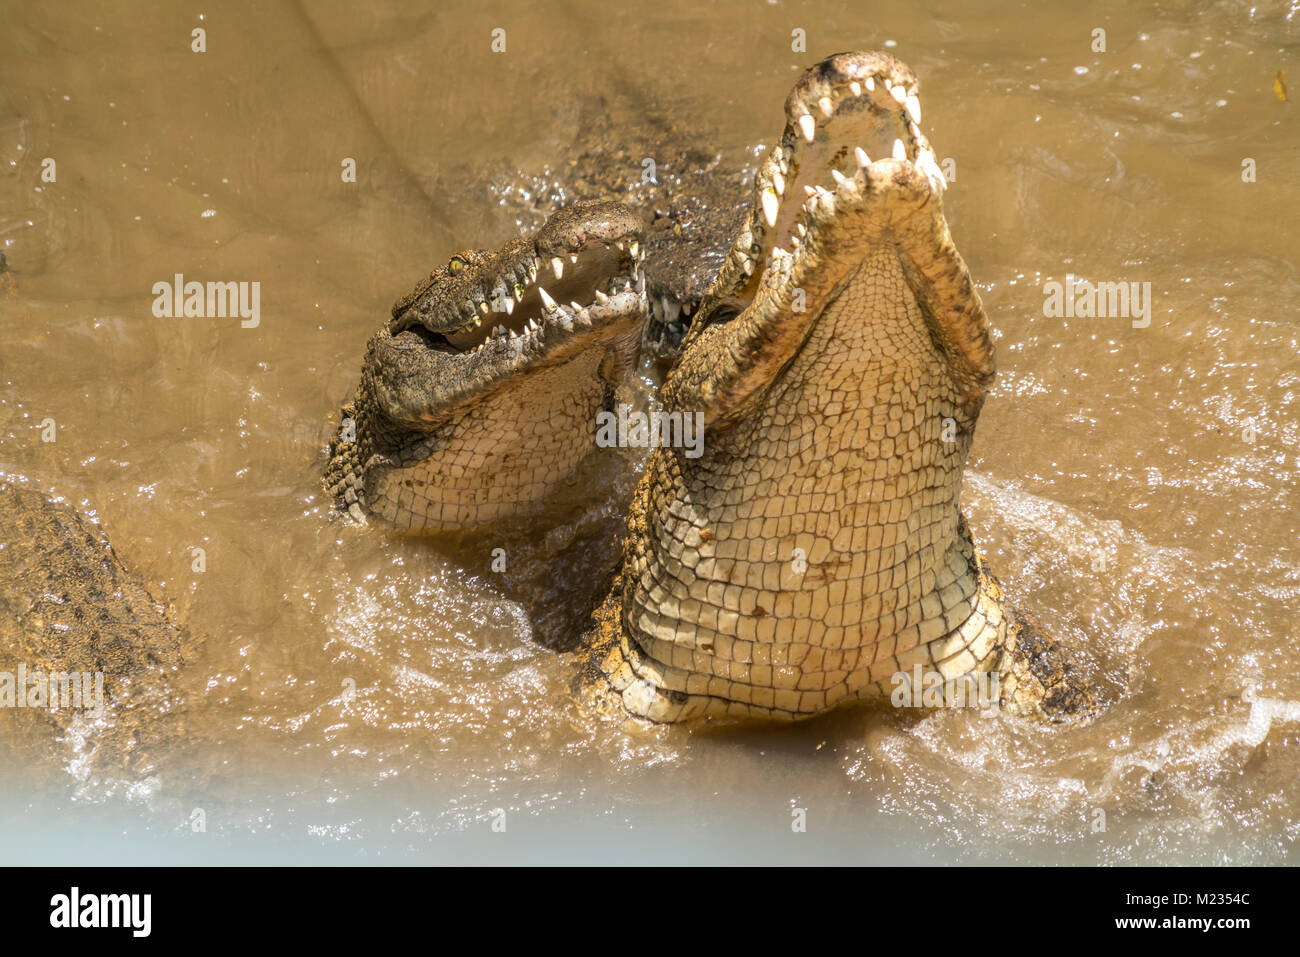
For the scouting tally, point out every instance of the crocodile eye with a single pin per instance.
(456, 265)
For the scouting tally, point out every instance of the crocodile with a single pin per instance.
(68, 608)
(658, 159)
(816, 550)
(478, 397)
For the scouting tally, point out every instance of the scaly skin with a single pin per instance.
(67, 606)
(692, 206)
(816, 548)
(479, 398)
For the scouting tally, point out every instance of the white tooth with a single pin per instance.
(573, 257)
(871, 84)
(803, 230)
(822, 191)
(619, 245)
(778, 183)
(557, 264)
(483, 308)
(914, 109)
(856, 87)
(749, 267)
(926, 164)
(547, 301)
(510, 305)
(898, 93)
(532, 325)
(532, 271)
(794, 242)
(575, 307)
(809, 127)
(900, 151)
(777, 251)
(601, 297)
(861, 155)
(838, 177)
(810, 191)
(633, 248)
(770, 207)
(826, 105)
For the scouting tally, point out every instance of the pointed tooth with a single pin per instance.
(749, 267)
(898, 93)
(803, 230)
(827, 107)
(510, 305)
(838, 177)
(856, 87)
(575, 307)
(809, 127)
(548, 303)
(913, 105)
(861, 156)
(778, 183)
(532, 325)
(557, 264)
(810, 191)
(573, 257)
(633, 248)
(483, 308)
(870, 84)
(900, 151)
(771, 205)
(601, 297)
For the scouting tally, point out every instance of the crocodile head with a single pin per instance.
(479, 396)
(816, 549)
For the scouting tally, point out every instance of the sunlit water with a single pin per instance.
(351, 695)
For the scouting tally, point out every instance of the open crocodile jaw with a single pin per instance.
(479, 396)
(816, 549)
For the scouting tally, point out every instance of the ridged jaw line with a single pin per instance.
(853, 169)
(535, 302)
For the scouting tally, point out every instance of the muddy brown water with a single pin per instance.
(1134, 485)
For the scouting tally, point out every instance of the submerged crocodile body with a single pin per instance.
(68, 608)
(816, 549)
(478, 399)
